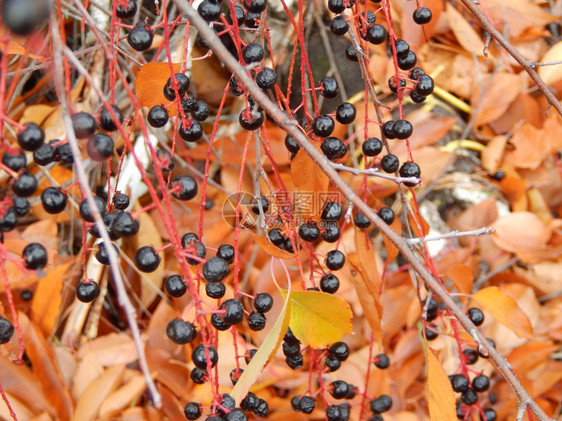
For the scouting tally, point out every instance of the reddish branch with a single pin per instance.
(291, 127)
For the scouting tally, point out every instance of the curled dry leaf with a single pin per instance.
(319, 319)
(505, 310)
(440, 393)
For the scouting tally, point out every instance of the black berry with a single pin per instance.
(157, 116)
(266, 78)
(175, 286)
(53, 200)
(331, 232)
(215, 269)
(339, 350)
(323, 126)
(329, 87)
(255, 6)
(192, 411)
(410, 169)
(181, 332)
(209, 10)
(226, 252)
(100, 147)
(252, 53)
(372, 146)
(191, 132)
(87, 291)
(329, 283)
(291, 144)
(381, 404)
(147, 259)
(425, 85)
(121, 201)
(6, 330)
(307, 404)
(16, 161)
(459, 382)
(203, 354)
(140, 38)
(25, 185)
(185, 187)
(339, 389)
(339, 26)
(22, 17)
(309, 232)
(402, 129)
(408, 61)
(376, 34)
(336, 6)
(333, 148)
(32, 136)
(390, 163)
(85, 212)
(335, 260)
(84, 125)
(476, 316)
(361, 221)
(263, 302)
(256, 321)
(481, 383)
(469, 397)
(234, 311)
(346, 113)
(34, 256)
(250, 119)
(215, 290)
(381, 361)
(387, 215)
(422, 15)
(332, 212)
(200, 111)
(44, 155)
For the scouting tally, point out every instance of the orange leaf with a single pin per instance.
(308, 177)
(368, 266)
(441, 398)
(150, 81)
(464, 32)
(391, 249)
(272, 249)
(418, 35)
(461, 276)
(88, 404)
(493, 101)
(521, 231)
(505, 310)
(47, 298)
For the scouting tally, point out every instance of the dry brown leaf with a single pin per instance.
(518, 15)
(505, 310)
(47, 298)
(521, 231)
(492, 155)
(492, 97)
(464, 32)
(88, 405)
(89, 368)
(45, 368)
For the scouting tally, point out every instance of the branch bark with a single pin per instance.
(291, 127)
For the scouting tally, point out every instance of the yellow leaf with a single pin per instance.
(319, 319)
(265, 352)
(505, 310)
(47, 299)
(271, 248)
(440, 393)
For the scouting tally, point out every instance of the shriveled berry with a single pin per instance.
(192, 411)
(34, 256)
(307, 404)
(333, 413)
(262, 408)
(175, 286)
(226, 252)
(32, 136)
(372, 146)
(290, 350)
(469, 397)
(8, 220)
(198, 375)
(215, 290)
(215, 269)
(291, 338)
(381, 404)
(87, 291)
(249, 402)
(256, 321)
(329, 283)
(147, 259)
(181, 332)
(252, 53)
(53, 200)
(140, 38)
(266, 78)
(121, 201)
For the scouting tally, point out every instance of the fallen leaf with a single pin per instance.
(521, 231)
(505, 310)
(309, 178)
(319, 319)
(111, 349)
(417, 35)
(265, 351)
(461, 276)
(271, 248)
(441, 398)
(123, 396)
(493, 154)
(493, 95)
(464, 32)
(150, 81)
(88, 404)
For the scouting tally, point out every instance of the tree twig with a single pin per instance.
(453, 234)
(375, 173)
(291, 127)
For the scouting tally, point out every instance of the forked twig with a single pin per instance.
(291, 127)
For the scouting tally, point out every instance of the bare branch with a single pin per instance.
(376, 173)
(453, 234)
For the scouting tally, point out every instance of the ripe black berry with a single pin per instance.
(185, 187)
(192, 132)
(87, 291)
(124, 225)
(226, 252)
(25, 185)
(147, 259)
(329, 283)
(107, 122)
(339, 26)
(307, 404)
(22, 17)
(266, 78)
(188, 103)
(469, 397)
(381, 361)
(323, 126)
(252, 20)
(335, 260)
(63, 151)
(425, 85)
(102, 256)
(252, 53)
(476, 316)
(402, 48)
(290, 350)
(387, 215)
(6, 330)
(26, 295)
(481, 383)
(331, 233)
(275, 237)
(333, 148)
(215, 269)
(339, 389)
(255, 6)
(422, 15)
(381, 404)
(408, 61)
(256, 321)
(470, 356)
(84, 125)
(346, 113)
(339, 350)
(336, 6)
(490, 414)
(351, 53)
(390, 163)
(235, 415)
(402, 129)
(198, 375)
(291, 338)
(34, 256)
(16, 161)
(203, 354)
(126, 11)
(376, 34)
(329, 87)
(249, 402)
(157, 116)
(32, 136)
(260, 204)
(361, 221)
(21, 205)
(251, 120)
(44, 155)
(332, 212)
(309, 232)
(53, 200)
(209, 10)
(8, 220)
(180, 331)
(430, 332)
(262, 408)
(195, 249)
(333, 413)
(85, 212)
(263, 302)
(140, 38)
(372, 146)
(121, 201)
(416, 98)
(459, 382)
(215, 290)
(100, 147)
(200, 111)
(291, 144)
(332, 363)
(234, 311)
(392, 84)
(192, 411)
(182, 82)
(175, 286)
